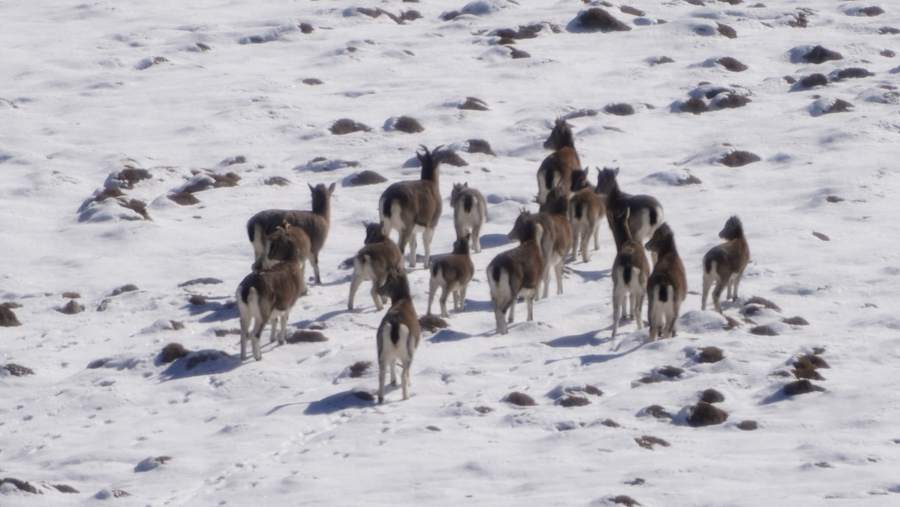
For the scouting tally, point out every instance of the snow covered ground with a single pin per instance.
(90, 88)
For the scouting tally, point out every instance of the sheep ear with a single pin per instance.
(466, 185)
(617, 171)
(331, 188)
(311, 188)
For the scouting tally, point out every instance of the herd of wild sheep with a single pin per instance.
(570, 214)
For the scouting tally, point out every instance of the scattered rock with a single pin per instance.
(146, 63)
(712, 396)
(27, 487)
(516, 53)
(432, 323)
(823, 237)
(150, 463)
(197, 300)
(481, 409)
(589, 389)
(306, 336)
(362, 178)
(709, 355)
(757, 300)
(580, 113)
(71, 295)
(747, 425)
(799, 20)
(834, 199)
(659, 60)
(105, 494)
(474, 104)
(726, 31)
(648, 442)
(661, 374)
(221, 333)
(865, 11)
(195, 359)
(347, 126)
(764, 330)
(627, 9)
(637, 481)
(694, 105)
(802, 386)
(795, 321)
(596, 19)
(450, 157)
(8, 317)
(71, 308)
(305, 28)
(851, 73)
(312, 81)
(625, 500)
(359, 368)
(574, 401)
(183, 198)
(655, 411)
(523, 32)
(479, 146)
(739, 158)
(519, 399)
(812, 81)
(320, 164)
(889, 30)
(706, 414)
(609, 423)
(732, 64)
(171, 352)
(17, 370)
(405, 124)
(130, 287)
(820, 54)
(64, 488)
(620, 109)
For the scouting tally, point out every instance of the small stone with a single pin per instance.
(312, 81)
(306, 336)
(796, 321)
(71, 295)
(852, 73)
(609, 423)
(305, 28)
(655, 411)
(483, 409)
(820, 54)
(867, 11)
(694, 105)
(705, 414)
(596, 19)
(64, 488)
(627, 9)
(359, 368)
(712, 396)
(516, 53)
(347, 126)
(17, 370)
(589, 389)
(813, 80)
(574, 401)
(20, 485)
(405, 124)
(726, 31)
(177, 324)
(171, 352)
(710, 355)
(195, 359)
(150, 463)
(197, 300)
(71, 308)
(732, 64)
(520, 399)
(123, 289)
(659, 60)
(739, 158)
(625, 500)
(823, 237)
(637, 481)
(363, 178)
(479, 146)
(757, 300)
(748, 425)
(620, 109)
(432, 323)
(802, 386)
(277, 181)
(450, 157)
(889, 30)
(670, 371)
(764, 330)
(8, 317)
(648, 442)
(834, 199)
(225, 332)
(474, 104)
(183, 198)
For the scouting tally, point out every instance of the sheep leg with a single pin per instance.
(381, 373)
(432, 289)
(444, 293)
(427, 236)
(405, 377)
(707, 284)
(393, 372)
(559, 277)
(476, 237)
(354, 286)
(529, 303)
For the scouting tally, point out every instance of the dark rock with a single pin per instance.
(739, 158)
(450, 15)
(823, 237)
(305, 28)
(802, 386)
(834, 199)
(796, 321)
(789, 80)
(410, 15)
(432, 427)
(359, 368)
(474, 104)
(348, 126)
(228, 179)
(627, 9)
(726, 31)
(146, 63)
(479, 146)
(12, 305)
(450, 157)
(757, 300)
(17, 370)
(706, 414)
(710, 355)
(889, 30)
(596, 19)
(235, 160)
(659, 60)
(20, 485)
(670, 371)
(699, 3)
(196, 358)
(432, 323)
(201, 281)
(805, 369)
(405, 124)
(589, 389)
(221, 333)
(483, 409)
(362, 178)
(732, 64)
(609, 423)
(150, 463)
(712, 396)
(655, 411)
(202, 47)
(867, 11)
(8, 317)
(730, 101)
(64, 488)
(625, 500)
(98, 363)
(747, 425)
(820, 54)
(71, 308)
(312, 81)
(637, 481)
(364, 395)
(520, 399)
(579, 113)
(306, 336)
(574, 401)
(136, 205)
(694, 105)
(171, 352)
(799, 20)
(620, 109)
(648, 442)
(197, 300)
(812, 81)
(177, 325)
(764, 330)
(183, 198)
(852, 73)
(128, 287)
(71, 295)
(516, 53)
(523, 32)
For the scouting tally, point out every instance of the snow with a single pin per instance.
(90, 87)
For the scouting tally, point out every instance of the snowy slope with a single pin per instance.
(84, 93)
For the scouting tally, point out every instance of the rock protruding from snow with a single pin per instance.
(826, 105)
(519, 399)
(362, 178)
(708, 97)
(739, 158)
(649, 442)
(346, 126)
(8, 317)
(675, 178)
(405, 124)
(473, 104)
(706, 414)
(596, 19)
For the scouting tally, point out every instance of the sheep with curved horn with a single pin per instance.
(645, 212)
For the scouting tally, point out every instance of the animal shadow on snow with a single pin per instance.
(216, 310)
(303, 324)
(578, 340)
(448, 335)
(590, 276)
(201, 362)
(589, 359)
(337, 402)
(494, 240)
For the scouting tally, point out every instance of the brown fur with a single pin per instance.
(586, 209)
(556, 169)
(372, 262)
(627, 283)
(557, 241)
(524, 270)
(645, 212)
(452, 273)
(724, 264)
(392, 344)
(668, 275)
